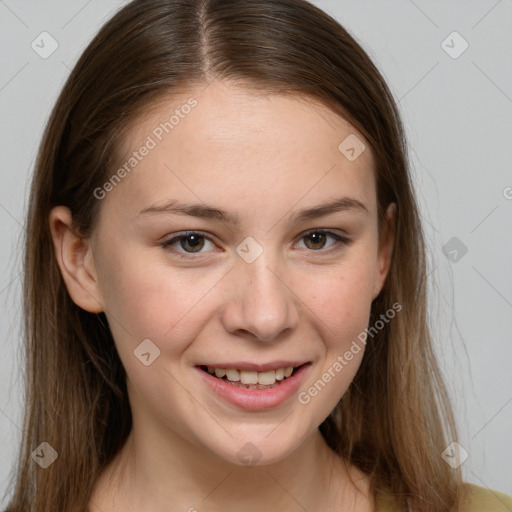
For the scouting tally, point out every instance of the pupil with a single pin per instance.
(317, 239)
(194, 242)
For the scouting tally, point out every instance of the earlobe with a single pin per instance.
(385, 254)
(76, 262)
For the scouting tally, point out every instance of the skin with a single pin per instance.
(263, 158)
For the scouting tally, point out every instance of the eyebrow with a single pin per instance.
(205, 211)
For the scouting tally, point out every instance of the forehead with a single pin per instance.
(224, 141)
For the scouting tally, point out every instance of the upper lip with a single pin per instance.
(244, 365)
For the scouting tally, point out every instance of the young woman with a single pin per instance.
(225, 284)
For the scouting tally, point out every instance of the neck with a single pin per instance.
(160, 471)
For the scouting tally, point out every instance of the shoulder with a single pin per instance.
(478, 499)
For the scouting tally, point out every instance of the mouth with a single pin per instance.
(251, 378)
(254, 387)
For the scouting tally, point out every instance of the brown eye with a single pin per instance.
(315, 240)
(188, 243)
(192, 243)
(319, 239)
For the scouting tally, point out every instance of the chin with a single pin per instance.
(259, 448)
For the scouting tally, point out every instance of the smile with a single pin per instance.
(254, 390)
(260, 380)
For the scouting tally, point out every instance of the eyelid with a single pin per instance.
(167, 243)
(339, 240)
(326, 231)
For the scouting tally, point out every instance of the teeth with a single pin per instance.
(232, 375)
(280, 374)
(220, 372)
(248, 377)
(267, 378)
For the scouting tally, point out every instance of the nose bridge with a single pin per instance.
(261, 304)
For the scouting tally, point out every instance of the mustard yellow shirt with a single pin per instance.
(478, 499)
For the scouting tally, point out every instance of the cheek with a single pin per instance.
(341, 298)
(341, 312)
(148, 299)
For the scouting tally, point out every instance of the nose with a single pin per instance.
(259, 301)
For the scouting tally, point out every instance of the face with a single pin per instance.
(243, 239)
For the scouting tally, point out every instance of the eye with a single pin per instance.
(317, 239)
(190, 242)
(193, 242)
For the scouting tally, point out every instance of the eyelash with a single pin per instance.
(339, 240)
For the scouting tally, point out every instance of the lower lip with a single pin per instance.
(256, 399)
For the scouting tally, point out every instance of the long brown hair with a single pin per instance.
(395, 420)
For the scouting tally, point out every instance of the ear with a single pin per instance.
(75, 260)
(385, 252)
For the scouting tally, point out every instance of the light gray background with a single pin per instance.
(458, 114)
